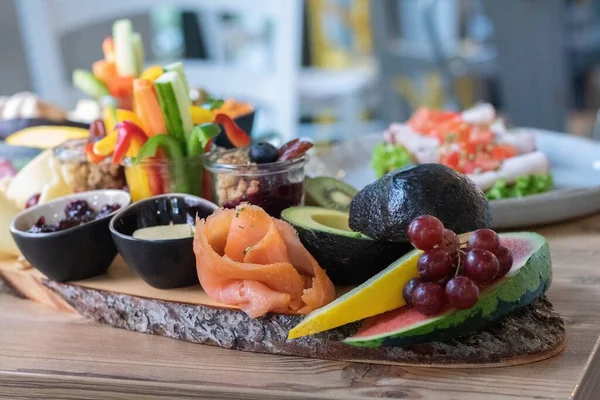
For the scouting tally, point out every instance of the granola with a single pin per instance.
(84, 176)
(232, 186)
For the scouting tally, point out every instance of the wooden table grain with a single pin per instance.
(48, 354)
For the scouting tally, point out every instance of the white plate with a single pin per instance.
(575, 164)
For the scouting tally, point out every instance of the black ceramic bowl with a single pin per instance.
(10, 126)
(163, 264)
(246, 122)
(77, 253)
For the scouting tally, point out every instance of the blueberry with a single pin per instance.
(263, 153)
(107, 209)
(78, 209)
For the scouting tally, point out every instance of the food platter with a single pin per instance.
(575, 165)
(144, 222)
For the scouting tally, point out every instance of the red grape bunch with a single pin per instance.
(452, 273)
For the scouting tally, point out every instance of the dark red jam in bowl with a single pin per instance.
(77, 213)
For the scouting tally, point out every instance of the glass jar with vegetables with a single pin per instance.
(161, 144)
(165, 164)
(153, 128)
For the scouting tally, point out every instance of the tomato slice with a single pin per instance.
(481, 135)
(484, 162)
(451, 159)
(504, 151)
(425, 121)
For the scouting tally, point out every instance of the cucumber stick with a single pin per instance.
(125, 54)
(138, 45)
(178, 67)
(175, 105)
(89, 84)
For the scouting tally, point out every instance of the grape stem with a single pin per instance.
(459, 263)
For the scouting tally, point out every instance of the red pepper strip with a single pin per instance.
(234, 133)
(91, 156)
(208, 145)
(127, 132)
(155, 180)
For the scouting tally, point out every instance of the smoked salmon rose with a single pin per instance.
(248, 259)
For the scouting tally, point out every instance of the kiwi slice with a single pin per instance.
(329, 192)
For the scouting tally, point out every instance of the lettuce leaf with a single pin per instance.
(523, 186)
(388, 157)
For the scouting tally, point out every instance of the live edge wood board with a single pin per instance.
(123, 300)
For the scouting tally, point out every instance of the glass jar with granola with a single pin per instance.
(82, 175)
(261, 175)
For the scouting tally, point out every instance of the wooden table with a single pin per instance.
(48, 354)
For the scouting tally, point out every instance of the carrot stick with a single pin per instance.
(105, 71)
(108, 48)
(148, 108)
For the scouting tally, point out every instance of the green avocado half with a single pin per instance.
(348, 257)
(528, 279)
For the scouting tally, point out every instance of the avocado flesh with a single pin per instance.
(384, 209)
(321, 219)
(348, 257)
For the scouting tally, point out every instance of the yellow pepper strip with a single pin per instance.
(109, 119)
(126, 115)
(134, 148)
(152, 73)
(137, 180)
(105, 146)
(122, 115)
(201, 115)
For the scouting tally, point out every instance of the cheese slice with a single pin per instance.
(31, 179)
(57, 187)
(8, 210)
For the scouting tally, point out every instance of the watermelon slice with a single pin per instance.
(528, 279)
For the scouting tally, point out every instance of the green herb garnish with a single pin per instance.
(388, 157)
(524, 186)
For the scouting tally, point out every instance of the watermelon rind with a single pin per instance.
(528, 280)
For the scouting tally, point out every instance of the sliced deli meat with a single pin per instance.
(424, 149)
(512, 168)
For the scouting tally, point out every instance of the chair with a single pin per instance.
(44, 22)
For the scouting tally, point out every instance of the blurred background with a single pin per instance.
(332, 69)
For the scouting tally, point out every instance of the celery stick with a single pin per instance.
(125, 54)
(175, 105)
(178, 67)
(89, 84)
(138, 44)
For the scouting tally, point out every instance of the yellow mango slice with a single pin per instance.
(381, 293)
(46, 137)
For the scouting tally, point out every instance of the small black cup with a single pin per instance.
(163, 264)
(77, 253)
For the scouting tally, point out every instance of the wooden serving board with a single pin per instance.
(123, 300)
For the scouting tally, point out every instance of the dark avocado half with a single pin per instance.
(384, 209)
(348, 257)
